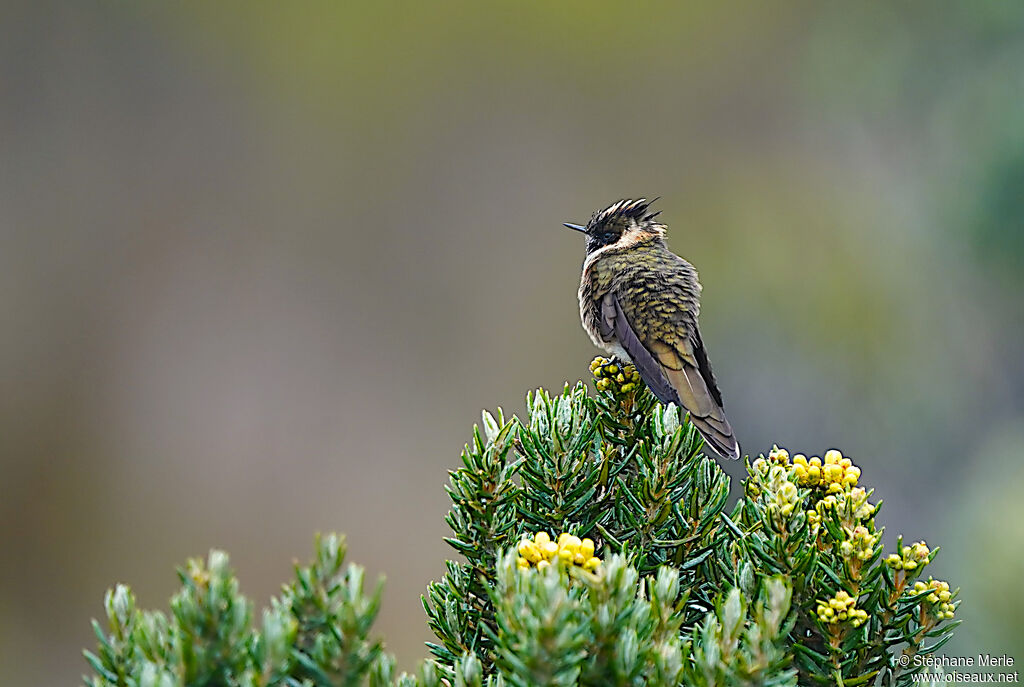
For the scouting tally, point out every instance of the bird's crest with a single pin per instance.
(637, 210)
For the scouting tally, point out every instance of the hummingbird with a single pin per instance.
(639, 301)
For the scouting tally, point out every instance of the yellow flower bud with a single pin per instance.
(815, 461)
(528, 550)
(549, 549)
(833, 456)
(592, 563)
(541, 538)
(587, 547)
(542, 565)
(800, 459)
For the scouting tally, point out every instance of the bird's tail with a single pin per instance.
(718, 435)
(706, 414)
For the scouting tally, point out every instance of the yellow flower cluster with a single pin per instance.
(849, 505)
(541, 551)
(910, 558)
(852, 504)
(859, 543)
(841, 608)
(773, 476)
(833, 482)
(833, 475)
(940, 598)
(611, 377)
(779, 456)
(786, 498)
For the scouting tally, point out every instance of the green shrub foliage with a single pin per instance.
(595, 548)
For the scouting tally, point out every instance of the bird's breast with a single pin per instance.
(596, 283)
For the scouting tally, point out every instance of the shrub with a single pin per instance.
(596, 548)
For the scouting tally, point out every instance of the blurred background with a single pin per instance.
(262, 266)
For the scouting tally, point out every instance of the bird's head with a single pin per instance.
(625, 222)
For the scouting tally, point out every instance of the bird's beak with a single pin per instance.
(576, 227)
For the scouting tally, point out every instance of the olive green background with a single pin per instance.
(261, 265)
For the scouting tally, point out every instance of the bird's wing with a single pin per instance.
(615, 325)
(673, 363)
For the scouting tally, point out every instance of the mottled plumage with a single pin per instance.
(639, 301)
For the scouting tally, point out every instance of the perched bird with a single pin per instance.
(639, 301)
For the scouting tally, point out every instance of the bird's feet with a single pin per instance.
(612, 374)
(608, 367)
